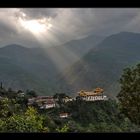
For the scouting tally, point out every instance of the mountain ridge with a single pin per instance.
(103, 65)
(20, 62)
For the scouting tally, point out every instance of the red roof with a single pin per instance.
(61, 114)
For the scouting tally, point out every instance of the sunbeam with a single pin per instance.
(47, 35)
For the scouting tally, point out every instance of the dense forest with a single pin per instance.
(99, 116)
(113, 115)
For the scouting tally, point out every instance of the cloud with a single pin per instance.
(11, 31)
(98, 21)
(68, 23)
(40, 12)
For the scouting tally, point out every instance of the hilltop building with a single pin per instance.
(44, 102)
(95, 95)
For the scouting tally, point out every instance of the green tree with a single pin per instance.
(31, 93)
(129, 95)
(30, 121)
(60, 97)
(63, 129)
(8, 107)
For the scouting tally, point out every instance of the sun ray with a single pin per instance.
(46, 34)
(35, 26)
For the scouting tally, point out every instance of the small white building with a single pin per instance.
(67, 99)
(63, 115)
(48, 105)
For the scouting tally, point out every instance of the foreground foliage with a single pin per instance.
(129, 96)
(84, 117)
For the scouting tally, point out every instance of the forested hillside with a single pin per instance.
(99, 116)
(103, 65)
(37, 68)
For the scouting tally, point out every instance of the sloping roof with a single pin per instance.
(63, 114)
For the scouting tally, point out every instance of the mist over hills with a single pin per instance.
(87, 63)
(72, 51)
(33, 68)
(102, 66)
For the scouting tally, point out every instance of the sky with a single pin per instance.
(35, 27)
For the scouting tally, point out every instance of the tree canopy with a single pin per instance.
(129, 95)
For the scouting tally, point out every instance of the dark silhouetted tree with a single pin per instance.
(129, 96)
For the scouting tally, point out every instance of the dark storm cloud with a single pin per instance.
(40, 12)
(78, 22)
(68, 23)
(10, 30)
(105, 21)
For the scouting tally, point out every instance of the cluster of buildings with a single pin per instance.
(46, 102)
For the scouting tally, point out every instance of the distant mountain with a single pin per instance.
(102, 66)
(72, 51)
(37, 68)
(25, 68)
